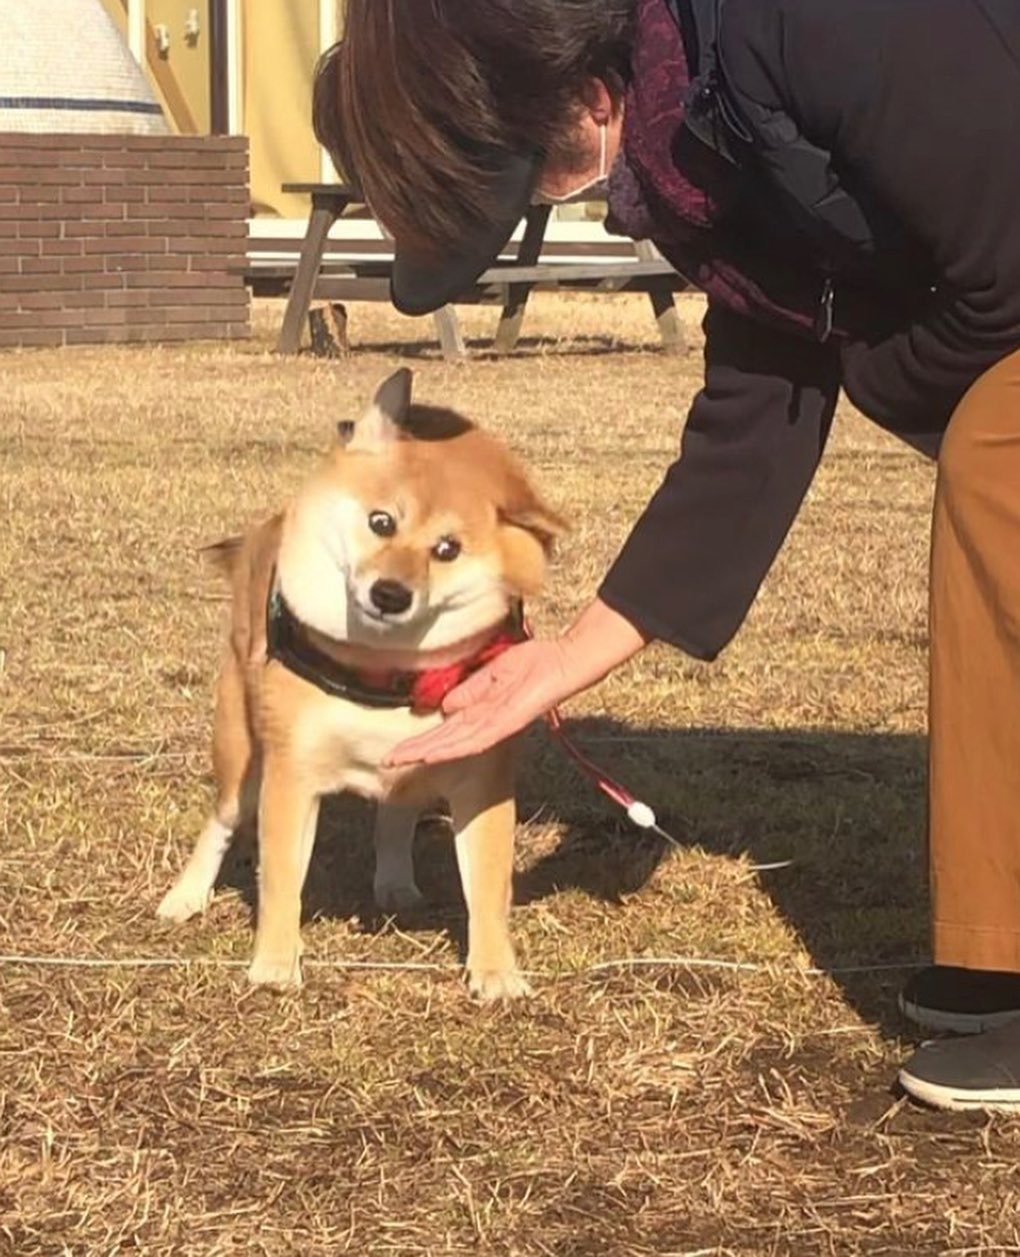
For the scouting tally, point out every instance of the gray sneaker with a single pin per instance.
(981, 1071)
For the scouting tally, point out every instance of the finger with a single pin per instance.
(457, 738)
(470, 739)
(426, 746)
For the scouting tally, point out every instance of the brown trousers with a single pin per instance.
(974, 781)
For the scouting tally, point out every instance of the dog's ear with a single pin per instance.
(525, 509)
(526, 537)
(385, 418)
(224, 555)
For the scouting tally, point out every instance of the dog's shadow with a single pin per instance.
(846, 809)
(339, 882)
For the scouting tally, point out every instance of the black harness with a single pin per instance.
(288, 642)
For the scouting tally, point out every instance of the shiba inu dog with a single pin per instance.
(394, 572)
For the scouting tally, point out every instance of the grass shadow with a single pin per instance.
(480, 348)
(339, 881)
(841, 814)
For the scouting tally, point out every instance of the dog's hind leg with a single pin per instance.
(236, 770)
(394, 884)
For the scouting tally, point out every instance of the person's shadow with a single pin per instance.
(847, 810)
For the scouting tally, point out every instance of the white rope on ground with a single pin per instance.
(748, 966)
(208, 962)
(627, 962)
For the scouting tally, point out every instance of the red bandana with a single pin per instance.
(433, 685)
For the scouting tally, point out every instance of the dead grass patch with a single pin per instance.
(629, 1109)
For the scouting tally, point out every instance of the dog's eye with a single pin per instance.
(382, 523)
(446, 549)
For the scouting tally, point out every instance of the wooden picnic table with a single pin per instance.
(513, 281)
(329, 201)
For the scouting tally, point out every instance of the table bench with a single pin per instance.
(509, 281)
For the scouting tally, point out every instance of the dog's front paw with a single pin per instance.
(397, 897)
(489, 985)
(270, 971)
(183, 900)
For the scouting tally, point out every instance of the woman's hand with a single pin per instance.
(522, 684)
(500, 699)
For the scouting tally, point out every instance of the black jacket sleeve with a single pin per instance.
(693, 563)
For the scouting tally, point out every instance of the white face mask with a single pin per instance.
(590, 185)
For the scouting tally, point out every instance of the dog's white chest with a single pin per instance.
(347, 743)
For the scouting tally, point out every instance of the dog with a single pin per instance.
(394, 572)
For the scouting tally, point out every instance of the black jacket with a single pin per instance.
(918, 104)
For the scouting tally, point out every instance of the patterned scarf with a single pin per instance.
(668, 188)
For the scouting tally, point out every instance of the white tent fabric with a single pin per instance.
(64, 66)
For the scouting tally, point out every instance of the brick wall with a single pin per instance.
(122, 238)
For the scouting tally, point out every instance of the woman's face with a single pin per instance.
(598, 110)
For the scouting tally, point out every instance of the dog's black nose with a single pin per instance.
(390, 597)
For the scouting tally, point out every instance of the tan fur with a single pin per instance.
(280, 744)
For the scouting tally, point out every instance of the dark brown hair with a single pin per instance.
(417, 91)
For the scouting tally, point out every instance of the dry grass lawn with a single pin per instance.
(642, 1102)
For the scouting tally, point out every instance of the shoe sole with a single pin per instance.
(955, 1023)
(960, 1100)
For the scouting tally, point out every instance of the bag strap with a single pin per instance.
(708, 114)
(699, 18)
(799, 170)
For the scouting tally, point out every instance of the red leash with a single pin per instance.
(638, 813)
(432, 686)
